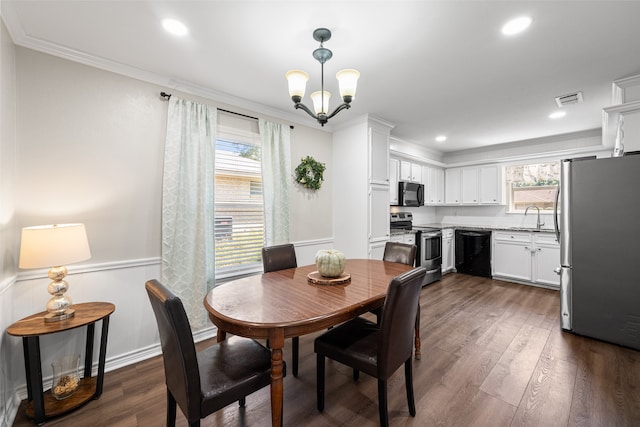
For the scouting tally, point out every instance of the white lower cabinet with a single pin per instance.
(526, 257)
(376, 250)
(448, 254)
(546, 259)
(511, 255)
(408, 238)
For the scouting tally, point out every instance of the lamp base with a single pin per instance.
(53, 317)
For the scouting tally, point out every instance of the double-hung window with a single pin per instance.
(239, 207)
(533, 184)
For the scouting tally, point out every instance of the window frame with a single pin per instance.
(241, 136)
(509, 195)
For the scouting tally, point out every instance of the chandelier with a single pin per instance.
(347, 80)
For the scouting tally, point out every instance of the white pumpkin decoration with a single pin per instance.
(330, 262)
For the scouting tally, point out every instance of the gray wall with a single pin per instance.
(83, 144)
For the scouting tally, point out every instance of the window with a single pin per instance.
(532, 185)
(239, 208)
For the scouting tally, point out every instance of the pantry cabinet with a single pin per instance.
(394, 170)
(526, 257)
(360, 163)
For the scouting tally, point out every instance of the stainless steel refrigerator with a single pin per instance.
(599, 233)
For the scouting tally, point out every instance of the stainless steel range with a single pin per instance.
(428, 241)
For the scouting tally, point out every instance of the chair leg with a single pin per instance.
(320, 381)
(417, 339)
(356, 375)
(242, 402)
(195, 424)
(171, 410)
(295, 351)
(382, 403)
(408, 380)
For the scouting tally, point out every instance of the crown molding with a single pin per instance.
(20, 38)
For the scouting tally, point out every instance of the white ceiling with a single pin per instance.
(428, 67)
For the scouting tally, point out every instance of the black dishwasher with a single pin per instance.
(473, 252)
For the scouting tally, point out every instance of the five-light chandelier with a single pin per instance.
(347, 80)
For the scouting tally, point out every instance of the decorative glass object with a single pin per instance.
(66, 376)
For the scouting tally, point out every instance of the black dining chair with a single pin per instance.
(377, 350)
(203, 382)
(281, 257)
(402, 253)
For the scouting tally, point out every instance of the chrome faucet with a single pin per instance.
(538, 223)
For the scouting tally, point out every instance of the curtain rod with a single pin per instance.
(168, 96)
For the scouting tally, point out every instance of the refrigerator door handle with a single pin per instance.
(555, 214)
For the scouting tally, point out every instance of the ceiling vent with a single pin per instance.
(571, 98)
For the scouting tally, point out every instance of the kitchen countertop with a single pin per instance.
(486, 227)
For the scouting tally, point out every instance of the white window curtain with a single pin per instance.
(276, 178)
(188, 263)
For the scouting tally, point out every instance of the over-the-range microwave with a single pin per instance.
(410, 194)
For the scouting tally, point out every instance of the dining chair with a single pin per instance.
(281, 257)
(402, 253)
(203, 382)
(377, 350)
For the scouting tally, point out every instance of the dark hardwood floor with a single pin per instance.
(493, 354)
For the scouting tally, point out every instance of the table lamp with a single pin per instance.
(55, 246)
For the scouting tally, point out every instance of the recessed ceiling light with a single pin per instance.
(558, 114)
(441, 138)
(516, 25)
(174, 27)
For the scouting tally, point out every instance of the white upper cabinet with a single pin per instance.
(410, 171)
(470, 186)
(490, 186)
(474, 185)
(433, 180)
(452, 186)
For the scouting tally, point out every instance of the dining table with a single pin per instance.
(289, 303)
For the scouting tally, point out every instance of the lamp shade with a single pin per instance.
(53, 245)
(348, 82)
(297, 82)
(320, 102)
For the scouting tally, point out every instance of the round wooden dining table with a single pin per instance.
(283, 304)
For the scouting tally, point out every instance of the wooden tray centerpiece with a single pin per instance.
(317, 279)
(330, 263)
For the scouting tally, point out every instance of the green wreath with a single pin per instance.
(309, 173)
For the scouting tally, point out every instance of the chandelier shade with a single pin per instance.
(297, 83)
(347, 81)
(320, 101)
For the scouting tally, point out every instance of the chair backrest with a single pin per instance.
(398, 321)
(278, 257)
(178, 349)
(402, 253)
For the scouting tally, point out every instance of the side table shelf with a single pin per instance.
(42, 405)
(54, 407)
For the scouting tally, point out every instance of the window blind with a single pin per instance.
(239, 208)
